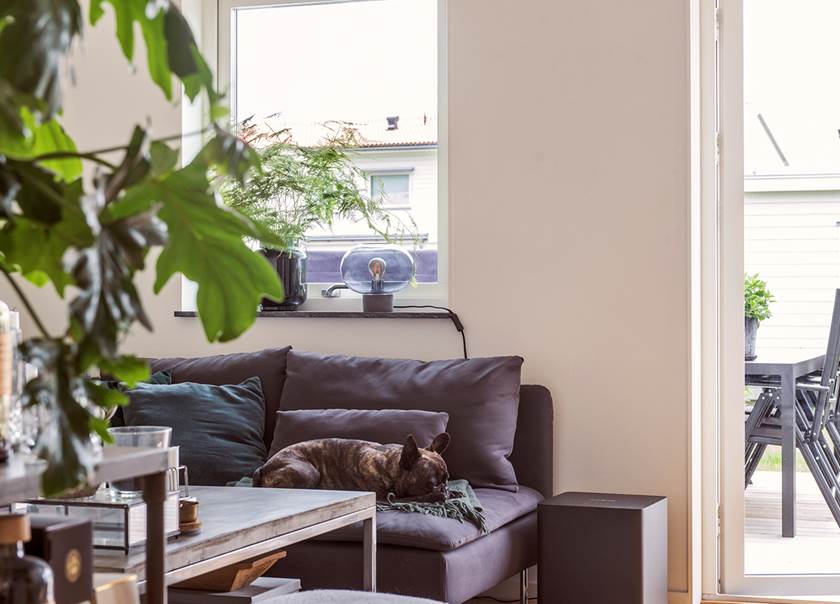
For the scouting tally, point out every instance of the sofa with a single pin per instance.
(418, 555)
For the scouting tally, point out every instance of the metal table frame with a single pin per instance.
(788, 367)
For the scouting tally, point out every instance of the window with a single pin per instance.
(391, 190)
(304, 66)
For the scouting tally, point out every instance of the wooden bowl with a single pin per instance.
(233, 577)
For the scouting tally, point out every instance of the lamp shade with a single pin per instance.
(377, 269)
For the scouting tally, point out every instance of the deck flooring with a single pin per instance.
(816, 547)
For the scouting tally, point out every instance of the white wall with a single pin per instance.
(573, 250)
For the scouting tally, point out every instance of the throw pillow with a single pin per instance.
(269, 365)
(219, 428)
(383, 426)
(481, 397)
(157, 378)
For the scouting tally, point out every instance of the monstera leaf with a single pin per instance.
(95, 234)
(36, 36)
(206, 245)
(170, 45)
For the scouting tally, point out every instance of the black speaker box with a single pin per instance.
(598, 549)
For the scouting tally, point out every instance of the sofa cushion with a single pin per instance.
(481, 397)
(378, 425)
(269, 365)
(219, 428)
(453, 576)
(444, 534)
(117, 418)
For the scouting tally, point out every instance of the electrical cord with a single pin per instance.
(452, 315)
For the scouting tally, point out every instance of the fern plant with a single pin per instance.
(300, 187)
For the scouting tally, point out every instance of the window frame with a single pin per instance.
(225, 60)
(407, 172)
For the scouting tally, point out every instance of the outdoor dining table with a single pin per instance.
(788, 366)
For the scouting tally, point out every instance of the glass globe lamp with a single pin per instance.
(377, 272)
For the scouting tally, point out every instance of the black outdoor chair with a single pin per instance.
(817, 427)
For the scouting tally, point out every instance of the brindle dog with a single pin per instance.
(407, 471)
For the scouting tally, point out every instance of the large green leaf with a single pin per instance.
(108, 302)
(206, 245)
(39, 195)
(171, 48)
(60, 390)
(38, 250)
(230, 155)
(41, 139)
(33, 43)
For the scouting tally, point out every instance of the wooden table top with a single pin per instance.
(236, 517)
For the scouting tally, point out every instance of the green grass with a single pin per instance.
(772, 460)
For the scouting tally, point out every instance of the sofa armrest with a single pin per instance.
(533, 447)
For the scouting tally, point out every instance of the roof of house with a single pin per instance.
(373, 133)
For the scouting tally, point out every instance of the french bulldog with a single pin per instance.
(406, 472)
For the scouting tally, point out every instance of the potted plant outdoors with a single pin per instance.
(757, 299)
(300, 187)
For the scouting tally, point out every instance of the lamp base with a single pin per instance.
(378, 302)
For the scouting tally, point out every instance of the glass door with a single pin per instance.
(779, 242)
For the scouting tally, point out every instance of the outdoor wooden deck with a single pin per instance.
(766, 552)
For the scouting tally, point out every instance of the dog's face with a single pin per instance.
(422, 472)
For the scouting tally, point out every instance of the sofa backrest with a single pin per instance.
(532, 456)
(533, 450)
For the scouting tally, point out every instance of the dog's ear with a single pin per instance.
(410, 453)
(440, 443)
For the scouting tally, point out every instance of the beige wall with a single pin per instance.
(571, 250)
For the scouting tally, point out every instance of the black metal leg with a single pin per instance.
(788, 413)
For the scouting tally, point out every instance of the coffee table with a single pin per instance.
(240, 523)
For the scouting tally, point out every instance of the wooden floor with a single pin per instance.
(816, 547)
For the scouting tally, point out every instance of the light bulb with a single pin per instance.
(376, 266)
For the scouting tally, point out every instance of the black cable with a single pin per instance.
(452, 315)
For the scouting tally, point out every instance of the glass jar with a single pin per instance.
(23, 579)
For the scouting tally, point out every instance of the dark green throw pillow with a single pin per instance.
(219, 428)
(157, 378)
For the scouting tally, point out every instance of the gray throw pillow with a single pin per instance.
(219, 428)
(380, 426)
(481, 397)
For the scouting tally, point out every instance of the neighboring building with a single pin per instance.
(399, 158)
(791, 233)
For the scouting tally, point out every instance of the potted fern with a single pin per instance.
(757, 299)
(300, 187)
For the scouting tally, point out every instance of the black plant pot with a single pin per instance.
(291, 268)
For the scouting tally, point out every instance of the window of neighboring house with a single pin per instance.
(303, 65)
(391, 190)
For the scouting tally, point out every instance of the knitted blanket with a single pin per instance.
(462, 505)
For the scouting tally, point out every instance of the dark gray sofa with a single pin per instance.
(417, 555)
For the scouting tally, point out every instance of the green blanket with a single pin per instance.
(463, 505)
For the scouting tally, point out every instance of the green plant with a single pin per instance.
(303, 186)
(757, 298)
(95, 235)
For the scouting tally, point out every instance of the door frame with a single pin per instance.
(722, 340)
